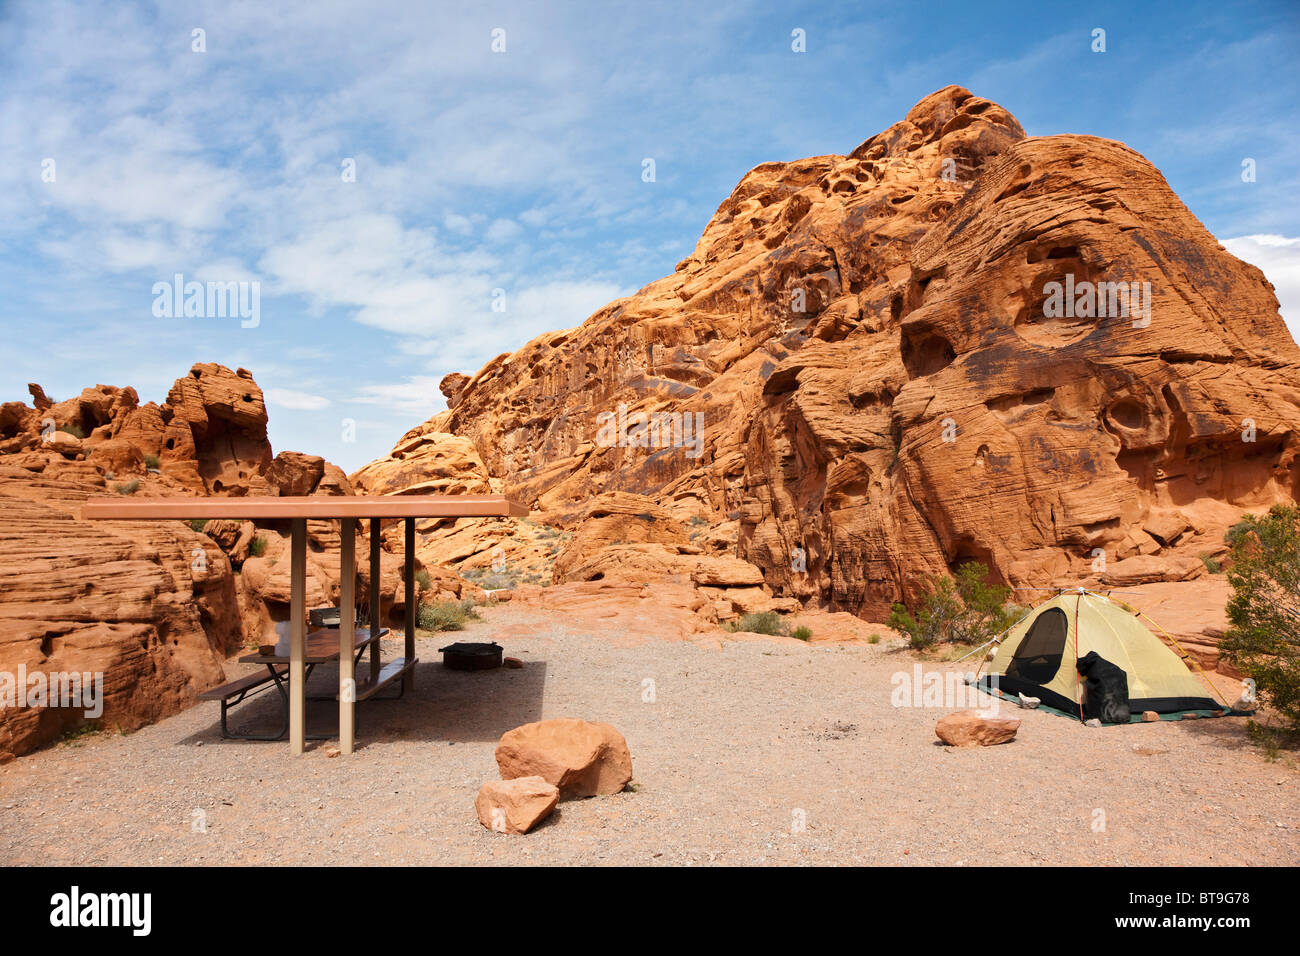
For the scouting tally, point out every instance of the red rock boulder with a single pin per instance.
(515, 806)
(968, 728)
(579, 757)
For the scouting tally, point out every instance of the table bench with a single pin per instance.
(320, 646)
(390, 672)
(238, 690)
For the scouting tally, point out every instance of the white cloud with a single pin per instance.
(1279, 259)
(457, 223)
(503, 230)
(562, 304)
(301, 401)
(417, 396)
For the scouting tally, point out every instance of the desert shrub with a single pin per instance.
(257, 547)
(73, 429)
(445, 615)
(874, 639)
(490, 580)
(802, 633)
(964, 610)
(1211, 564)
(198, 524)
(128, 488)
(422, 580)
(1264, 611)
(765, 622)
(152, 461)
(1233, 534)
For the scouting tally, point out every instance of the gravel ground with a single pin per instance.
(738, 746)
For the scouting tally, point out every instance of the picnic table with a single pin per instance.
(325, 645)
(322, 646)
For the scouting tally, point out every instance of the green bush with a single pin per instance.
(490, 580)
(963, 610)
(128, 488)
(445, 615)
(422, 580)
(767, 622)
(152, 461)
(1264, 611)
(198, 524)
(802, 633)
(874, 639)
(1235, 533)
(257, 547)
(73, 429)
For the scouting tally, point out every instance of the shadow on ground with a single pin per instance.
(445, 705)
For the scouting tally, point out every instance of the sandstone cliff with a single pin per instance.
(155, 607)
(887, 382)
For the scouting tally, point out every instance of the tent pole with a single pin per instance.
(1078, 695)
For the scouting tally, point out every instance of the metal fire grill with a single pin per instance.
(469, 656)
(324, 617)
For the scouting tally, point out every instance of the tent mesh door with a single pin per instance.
(1038, 657)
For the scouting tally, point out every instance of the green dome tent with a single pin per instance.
(1037, 657)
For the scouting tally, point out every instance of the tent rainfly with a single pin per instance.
(1039, 655)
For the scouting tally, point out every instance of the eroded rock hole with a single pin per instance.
(1044, 318)
(926, 354)
(1128, 413)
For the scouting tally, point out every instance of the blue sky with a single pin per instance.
(521, 170)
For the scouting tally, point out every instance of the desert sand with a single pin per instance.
(744, 739)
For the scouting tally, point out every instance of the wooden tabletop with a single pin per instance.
(322, 645)
(123, 507)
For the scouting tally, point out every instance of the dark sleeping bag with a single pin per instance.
(1105, 690)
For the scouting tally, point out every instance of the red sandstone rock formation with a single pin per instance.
(154, 607)
(151, 607)
(889, 385)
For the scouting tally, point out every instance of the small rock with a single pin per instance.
(515, 806)
(1150, 716)
(512, 662)
(332, 751)
(1094, 722)
(968, 729)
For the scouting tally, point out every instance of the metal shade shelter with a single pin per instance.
(349, 509)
